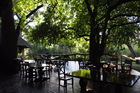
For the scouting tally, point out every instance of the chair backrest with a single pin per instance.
(127, 61)
(114, 60)
(127, 66)
(61, 69)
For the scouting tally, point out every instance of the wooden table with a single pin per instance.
(118, 80)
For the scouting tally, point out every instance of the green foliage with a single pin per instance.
(122, 35)
(24, 7)
(109, 23)
(54, 27)
(124, 31)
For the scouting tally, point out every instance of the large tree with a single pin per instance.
(106, 22)
(107, 19)
(10, 33)
(102, 22)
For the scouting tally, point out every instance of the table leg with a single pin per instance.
(40, 72)
(118, 89)
(83, 85)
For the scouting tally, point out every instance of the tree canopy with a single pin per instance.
(101, 22)
(73, 16)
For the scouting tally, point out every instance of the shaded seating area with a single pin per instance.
(50, 72)
(113, 71)
(62, 33)
(40, 68)
(43, 67)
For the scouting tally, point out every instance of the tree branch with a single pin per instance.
(88, 7)
(20, 20)
(107, 18)
(112, 7)
(104, 36)
(28, 22)
(124, 15)
(17, 16)
(84, 36)
(33, 11)
(123, 24)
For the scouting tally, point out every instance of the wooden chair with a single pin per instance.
(24, 66)
(114, 64)
(29, 73)
(127, 66)
(21, 67)
(83, 61)
(62, 76)
(48, 68)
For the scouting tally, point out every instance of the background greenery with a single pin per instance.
(62, 26)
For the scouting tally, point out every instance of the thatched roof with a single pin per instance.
(22, 43)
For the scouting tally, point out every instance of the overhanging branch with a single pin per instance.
(112, 7)
(32, 12)
(84, 36)
(124, 15)
(123, 24)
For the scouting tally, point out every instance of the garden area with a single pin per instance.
(92, 45)
(69, 27)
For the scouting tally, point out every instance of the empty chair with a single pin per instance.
(32, 73)
(114, 64)
(21, 67)
(62, 76)
(28, 71)
(127, 66)
(47, 68)
(24, 66)
(83, 61)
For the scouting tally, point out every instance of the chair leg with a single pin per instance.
(65, 83)
(72, 82)
(59, 82)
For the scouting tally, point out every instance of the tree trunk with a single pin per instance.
(95, 54)
(9, 38)
(96, 49)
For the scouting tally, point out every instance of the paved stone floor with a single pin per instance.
(16, 84)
